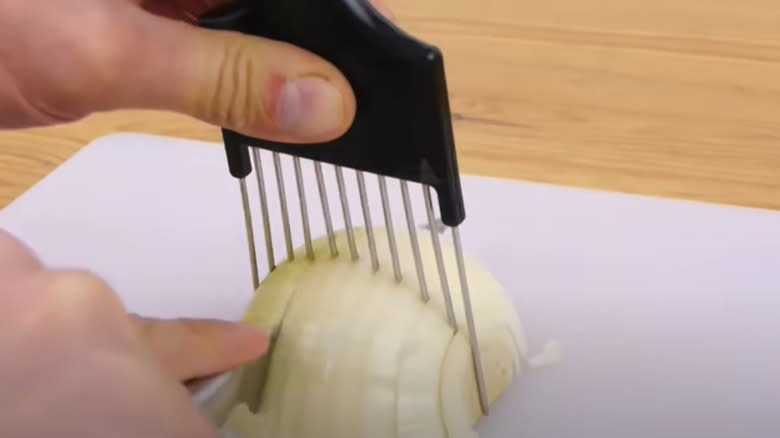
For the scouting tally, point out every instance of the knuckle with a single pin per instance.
(68, 303)
(15, 257)
(95, 35)
(238, 99)
(82, 52)
(80, 293)
(90, 47)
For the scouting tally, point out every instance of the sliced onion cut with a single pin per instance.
(361, 355)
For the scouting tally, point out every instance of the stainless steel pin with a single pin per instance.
(367, 220)
(414, 241)
(283, 206)
(445, 287)
(389, 226)
(346, 212)
(269, 247)
(472, 330)
(304, 208)
(250, 234)
(326, 209)
(437, 224)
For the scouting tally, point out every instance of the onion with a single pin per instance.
(360, 355)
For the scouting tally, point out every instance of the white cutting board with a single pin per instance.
(668, 313)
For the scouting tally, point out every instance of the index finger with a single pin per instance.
(193, 348)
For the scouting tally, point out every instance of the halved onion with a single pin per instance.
(361, 355)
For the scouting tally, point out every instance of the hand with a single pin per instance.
(74, 364)
(66, 59)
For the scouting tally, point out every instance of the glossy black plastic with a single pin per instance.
(402, 128)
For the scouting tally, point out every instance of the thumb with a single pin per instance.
(252, 85)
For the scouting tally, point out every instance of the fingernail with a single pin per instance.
(310, 108)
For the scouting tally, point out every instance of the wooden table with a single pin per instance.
(673, 98)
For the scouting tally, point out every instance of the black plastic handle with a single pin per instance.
(402, 128)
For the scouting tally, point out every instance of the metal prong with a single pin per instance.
(269, 246)
(250, 234)
(345, 210)
(326, 209)
(367, 221)
(476, 358)
(415, 242)
(283, 206)
(389, 226)
(445, 287)
(436, 225)
(304, 209)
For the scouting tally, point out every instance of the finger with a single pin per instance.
(252, 85)
(190, 348)
(186, 10)
(383, 9)
(170, 10)
(15, 257)
(174, 402)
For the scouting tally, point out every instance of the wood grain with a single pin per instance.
(668, 98)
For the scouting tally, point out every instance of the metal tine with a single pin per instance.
(415, 242)
(250, 234)
(445, 287)
(259, 173)
(283, 206)
(304, 208)
(326, 209)
(432, 223)
(467, 308)
(361, 181)
(389, 226)
(345, 210)
(434, 226)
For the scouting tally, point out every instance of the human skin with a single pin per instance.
(73, 362)
(64, 60)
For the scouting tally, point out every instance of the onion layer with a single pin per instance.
(360, 355)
